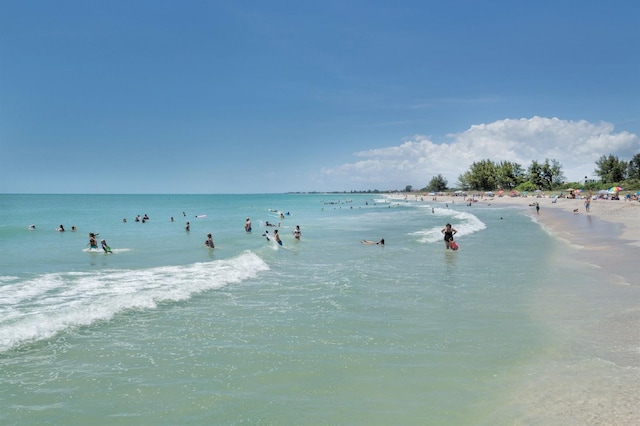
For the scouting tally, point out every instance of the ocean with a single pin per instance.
(516, 327)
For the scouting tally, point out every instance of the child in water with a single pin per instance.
(105, 247)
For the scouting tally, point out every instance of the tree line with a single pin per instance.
(488, 175)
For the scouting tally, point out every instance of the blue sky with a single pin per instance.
(278, 96)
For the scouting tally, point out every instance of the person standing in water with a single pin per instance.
(247, 225)
(209, 242)
(277, 237)
(93, 242)
(297, 233)
(448, 232)
(105, 247)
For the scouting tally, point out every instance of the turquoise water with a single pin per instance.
(324, 330)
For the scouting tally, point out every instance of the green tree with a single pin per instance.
(534, 175)
(437, 184)
(552, 173)
(546, 175)
(611, 169)
(509, 175)
(480, 177)
(463, 181)
(633, 169)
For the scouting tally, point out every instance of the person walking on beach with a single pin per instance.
(448, 232)
(537, 208)
(247, 225)
(587, 204)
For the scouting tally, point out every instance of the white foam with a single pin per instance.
(42, 306)
(465, 223)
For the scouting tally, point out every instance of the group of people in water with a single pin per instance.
(297, 233)
(93, 243)
(448, 232)
(276, 235)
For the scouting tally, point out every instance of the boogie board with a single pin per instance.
(453, 245)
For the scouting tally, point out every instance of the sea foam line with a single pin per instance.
(38, 308)
(465, 223)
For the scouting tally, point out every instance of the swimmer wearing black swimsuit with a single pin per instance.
(448, 232)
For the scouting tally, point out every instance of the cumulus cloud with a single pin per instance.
(576, 145)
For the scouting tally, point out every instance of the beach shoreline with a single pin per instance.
(607, 236)
(625, 214)
(597, 326)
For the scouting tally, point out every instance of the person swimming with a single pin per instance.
(381, 242)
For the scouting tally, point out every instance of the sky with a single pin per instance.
(293, 96)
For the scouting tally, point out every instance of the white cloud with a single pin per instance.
(575, 144)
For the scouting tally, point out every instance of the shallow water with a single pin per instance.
(324, 330)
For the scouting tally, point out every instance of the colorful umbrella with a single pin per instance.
(615, 189)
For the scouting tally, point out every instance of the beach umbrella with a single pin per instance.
(615, 189)
(569, 189)
(577, 190)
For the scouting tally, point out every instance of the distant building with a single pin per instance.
(587, 180)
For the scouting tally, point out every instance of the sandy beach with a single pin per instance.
(620, 212)
(609, 234)
(607, 238)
